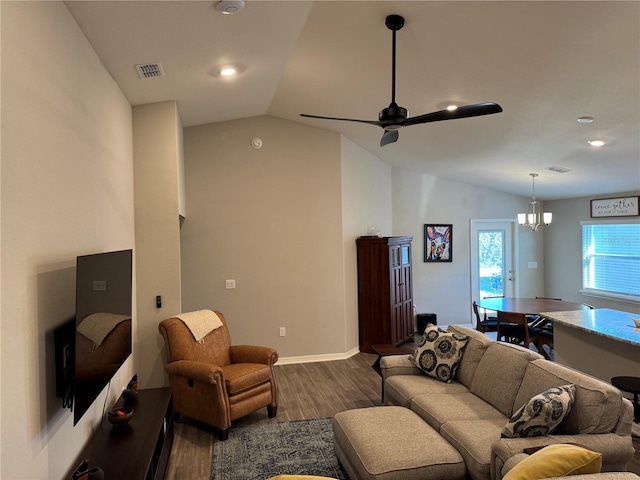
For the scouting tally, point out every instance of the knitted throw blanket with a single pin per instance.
(200, 322)
(97, 326)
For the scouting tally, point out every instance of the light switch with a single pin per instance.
(230, 284)
(532, 264)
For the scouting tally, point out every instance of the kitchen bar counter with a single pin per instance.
(601, 342)
(612, 324)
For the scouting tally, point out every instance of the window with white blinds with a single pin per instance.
(611, 259)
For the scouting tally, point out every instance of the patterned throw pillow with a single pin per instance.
(541, 414)
(439, 353)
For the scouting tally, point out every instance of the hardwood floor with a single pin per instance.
(306, 390)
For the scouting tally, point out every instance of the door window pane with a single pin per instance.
(491, 263)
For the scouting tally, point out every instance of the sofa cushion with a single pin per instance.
(540, 415)
(556, 461)
(473, 352)
(499, 374)
(437, 409)
(597, 404)
(473, 440)
(439, 353)
(400, 389)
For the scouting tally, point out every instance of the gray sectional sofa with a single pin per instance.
(495, 379)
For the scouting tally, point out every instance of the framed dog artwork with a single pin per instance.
(438, 242)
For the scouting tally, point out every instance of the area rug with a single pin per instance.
(258, 452)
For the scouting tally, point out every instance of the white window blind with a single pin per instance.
(611, 259)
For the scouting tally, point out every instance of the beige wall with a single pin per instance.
(366, 201)
(270, 219)
(563, 247)
(158, 154)
(67, 190)
(445, 289)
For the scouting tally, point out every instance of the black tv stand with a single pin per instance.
(139, 450)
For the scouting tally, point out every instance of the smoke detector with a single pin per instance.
(229, 7)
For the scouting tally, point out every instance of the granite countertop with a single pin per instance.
(614, 324)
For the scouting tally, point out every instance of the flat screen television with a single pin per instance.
(101, 339)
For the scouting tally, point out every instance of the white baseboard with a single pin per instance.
(328, 357)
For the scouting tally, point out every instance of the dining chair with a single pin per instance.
(486, 323)
(545, 337)
(514, 328)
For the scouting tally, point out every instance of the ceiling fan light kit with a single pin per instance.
(394, 117)
(536, 216)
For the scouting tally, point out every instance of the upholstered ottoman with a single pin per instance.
(393, 443)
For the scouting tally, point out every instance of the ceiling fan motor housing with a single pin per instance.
(394, 115)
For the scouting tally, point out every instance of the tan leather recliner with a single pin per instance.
(216, 382)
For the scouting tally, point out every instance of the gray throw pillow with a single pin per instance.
(542, 414)
(439, 352)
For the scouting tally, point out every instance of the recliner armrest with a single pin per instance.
(253, 354)
(201, 372)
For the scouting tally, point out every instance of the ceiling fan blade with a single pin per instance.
(389, 136)
(370, 122)
(466, 111)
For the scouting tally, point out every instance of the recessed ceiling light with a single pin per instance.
(596, 143)
(451, 108)
(228, 70)
(585, 119)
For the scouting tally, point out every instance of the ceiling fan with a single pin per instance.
(394, 117)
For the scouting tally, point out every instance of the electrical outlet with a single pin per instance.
(230, 284)
(282, 331)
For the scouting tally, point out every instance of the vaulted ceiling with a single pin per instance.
(547, 63)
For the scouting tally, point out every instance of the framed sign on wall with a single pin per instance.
(615, 207)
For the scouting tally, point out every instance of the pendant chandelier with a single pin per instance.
(535, 217)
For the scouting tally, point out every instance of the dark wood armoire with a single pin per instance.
(385, 291)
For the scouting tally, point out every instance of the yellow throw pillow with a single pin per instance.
(556, 461)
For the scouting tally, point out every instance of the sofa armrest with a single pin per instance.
(616, 450)
(201, 372)
(253, 354)
(398, 365)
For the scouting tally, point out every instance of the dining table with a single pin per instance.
(529, 306)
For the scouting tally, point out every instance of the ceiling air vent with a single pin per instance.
(150, 70)
(558, 169)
